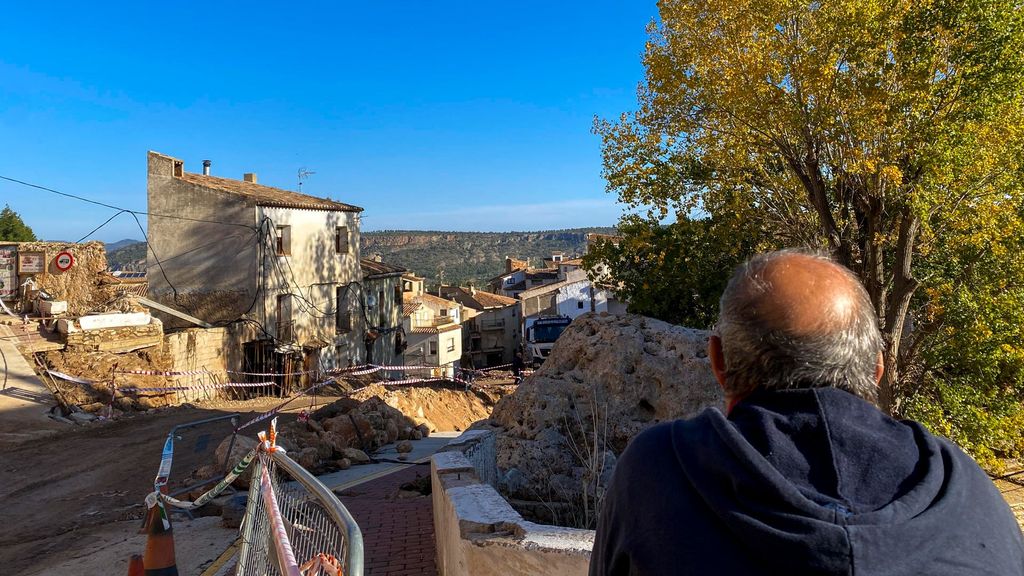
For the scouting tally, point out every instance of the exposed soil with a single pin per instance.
(62, 492)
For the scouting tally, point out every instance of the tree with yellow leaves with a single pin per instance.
(886, 132)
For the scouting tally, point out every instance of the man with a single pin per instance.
(805, 475)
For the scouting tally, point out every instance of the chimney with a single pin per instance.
(508, 265)
(249, 177)
(206, 167)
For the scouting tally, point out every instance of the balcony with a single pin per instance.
(492, 324)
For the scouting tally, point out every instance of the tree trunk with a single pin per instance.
(904, 286)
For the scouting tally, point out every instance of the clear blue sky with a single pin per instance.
(430, 115)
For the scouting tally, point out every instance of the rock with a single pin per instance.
(353, 427)
(426, 428)
(81, 417)
(233, 510)
(343, 464)
(391, 429)
(243, 444)
(336, 442)
(314, 426)
(356, 455)
(405, 433)
(308, 458)
(416, 435)
(403, 447)
(403, 456)
(608, 378)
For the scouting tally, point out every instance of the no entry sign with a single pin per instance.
(64, 261)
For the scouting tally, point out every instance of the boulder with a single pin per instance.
(391, 429)
(242, 445)
(425, 429)
(403, 447)
(608, 378)
(336, 442)
(355, 455)
(343, 464)
(308, 458)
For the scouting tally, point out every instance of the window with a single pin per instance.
(383, 309)
(510, 280)
(444, 311)
(342, 311)
(433, 347)
(284, 240)
(579, 304)
(451, 344)
(284, 317)
(341, 240)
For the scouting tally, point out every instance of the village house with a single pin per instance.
(432, 328)
(382, 284)
(281, 268)
(490, 330)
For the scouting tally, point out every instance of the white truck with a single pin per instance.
(541, 334)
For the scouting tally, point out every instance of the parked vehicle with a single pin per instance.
(541, 335)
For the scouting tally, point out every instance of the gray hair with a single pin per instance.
(759, 355)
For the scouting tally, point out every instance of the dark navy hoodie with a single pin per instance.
(812, 481)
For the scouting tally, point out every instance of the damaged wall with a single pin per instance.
(79, 286)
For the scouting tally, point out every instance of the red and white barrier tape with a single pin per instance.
(281, 406)
(285, 554)
(198, 387)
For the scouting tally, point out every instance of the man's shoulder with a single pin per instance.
(661, 439)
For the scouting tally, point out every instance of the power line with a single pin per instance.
(121, 209)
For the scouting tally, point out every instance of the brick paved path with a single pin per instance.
(398, 533)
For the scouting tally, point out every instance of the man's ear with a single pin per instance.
(879, 368)
(717, 359)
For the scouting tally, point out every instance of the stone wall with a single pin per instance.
(477, 532)
(211, 349)
(78, 286)
(120, 339)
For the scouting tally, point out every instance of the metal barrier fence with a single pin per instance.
(195, 445)
(314, 519)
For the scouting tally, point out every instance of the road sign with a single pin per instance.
(64, 261)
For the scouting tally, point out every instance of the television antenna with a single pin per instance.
(303, 174)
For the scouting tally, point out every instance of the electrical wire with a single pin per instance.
(112, 207)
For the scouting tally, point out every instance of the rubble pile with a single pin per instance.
(97, 366)
(608, 378)
(346, 432)
(79, 285)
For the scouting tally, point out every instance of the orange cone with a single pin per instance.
(159, 557)
(135, 567)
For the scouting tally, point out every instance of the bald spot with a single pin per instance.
(804, 296)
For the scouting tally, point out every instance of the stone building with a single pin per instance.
(280, 267)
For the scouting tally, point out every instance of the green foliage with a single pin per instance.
(676, 272)
(890, 133)
(457, 258)
(13, 229)
(128, 257)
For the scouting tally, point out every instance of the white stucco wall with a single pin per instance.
(478, 533)
(314, 271)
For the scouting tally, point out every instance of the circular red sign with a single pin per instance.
(64, 261)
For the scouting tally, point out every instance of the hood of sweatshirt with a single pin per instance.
(820, 481)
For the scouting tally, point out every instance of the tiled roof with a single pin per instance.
(374, 269)
(435, 300)
(542, 274)
(410, 307)
(573, 262)
(478, 300)
(267, 195)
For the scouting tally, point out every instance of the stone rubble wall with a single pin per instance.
(478, 533)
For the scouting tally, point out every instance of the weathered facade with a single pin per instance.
(491, 333)
(385, 337)
(434, 334)
(284, 263)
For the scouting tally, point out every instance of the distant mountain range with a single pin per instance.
(450, 257)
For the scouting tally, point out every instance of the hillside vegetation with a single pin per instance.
(462, 257)
(451, 257)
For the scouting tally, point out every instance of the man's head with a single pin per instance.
(793, 319)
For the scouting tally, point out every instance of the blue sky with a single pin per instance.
(430, 115)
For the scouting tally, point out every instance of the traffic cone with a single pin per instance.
(135, 567)
(159, 557)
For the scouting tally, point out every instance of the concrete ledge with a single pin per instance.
(479, 533)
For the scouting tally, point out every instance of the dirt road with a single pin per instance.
(60, 493)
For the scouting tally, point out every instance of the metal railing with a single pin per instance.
(195, 445)
(314, 519)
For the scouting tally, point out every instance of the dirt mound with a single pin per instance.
(97, 366)
(348, 431)
(442, 409)
(608, 378)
